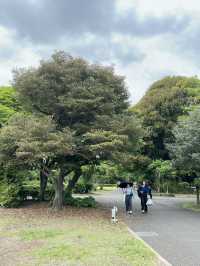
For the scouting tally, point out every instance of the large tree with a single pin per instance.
(90, 100)
(185, 151)
(28, 142)
(165, 101)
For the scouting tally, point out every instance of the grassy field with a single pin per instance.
(191, 206)
(106, 188)
(34, 235)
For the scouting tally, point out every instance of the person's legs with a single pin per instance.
(142, 203)
(127, 203)
(145, 204)
(130, 204)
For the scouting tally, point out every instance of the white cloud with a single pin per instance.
(161, 59)
(141, 54)
(14, 53)
(158, 7)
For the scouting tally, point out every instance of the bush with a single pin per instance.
(83, 188)
(180, 187)
(32, 189)
(88, 202)
(10, 195)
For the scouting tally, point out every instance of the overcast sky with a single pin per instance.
(143, 39)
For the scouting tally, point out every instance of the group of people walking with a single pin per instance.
(143, 191)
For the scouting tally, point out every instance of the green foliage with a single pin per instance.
(8, 98)
(106, 173)
(163, 171)
(160, 109)
(10, 195)
(5, 113)
(163, 168)
(78, 91)
(185, 151)
(8, 104)
(83, 188)
(89, 101)
(86, 202)
(28, 139)
(31, 188)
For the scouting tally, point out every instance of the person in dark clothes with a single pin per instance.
(143, 191)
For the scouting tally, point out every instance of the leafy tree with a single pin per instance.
(90, 100)
(30, 141)
(165, 101)
(8, 104)
(163, 170)
(185, 151)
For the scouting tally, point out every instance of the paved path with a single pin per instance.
(172, 231)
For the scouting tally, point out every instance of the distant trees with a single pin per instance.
(185, 151)
(163, 171)
(165, 101)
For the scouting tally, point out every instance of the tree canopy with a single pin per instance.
(160, 108)
(185, 151)
(77, 115)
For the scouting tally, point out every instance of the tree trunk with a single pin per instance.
(43, 184)
(167, 188)
(159, 183)
(58, 186)
(197, 191)
(73, 181)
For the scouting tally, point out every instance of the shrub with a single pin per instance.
(10, 195)
(31, 188)
(83, 188)
(88, 202)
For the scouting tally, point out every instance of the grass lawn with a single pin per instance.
(34, 235)
(191, 206)
(107, 188)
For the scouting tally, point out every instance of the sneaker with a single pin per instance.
(142, 211)
(130, 212)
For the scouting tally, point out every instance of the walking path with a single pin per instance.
(172, 231)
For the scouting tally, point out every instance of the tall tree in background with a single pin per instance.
(163, 172)
(185, 151)
(160, 108)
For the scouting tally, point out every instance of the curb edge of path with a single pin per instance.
(160, 258)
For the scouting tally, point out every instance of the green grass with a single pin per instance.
(37, 234)
(76, 237)
(191, 206)
(106, 188)
(63, 251)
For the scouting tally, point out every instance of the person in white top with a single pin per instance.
(128, 191)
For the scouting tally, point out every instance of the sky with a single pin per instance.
(144, 40)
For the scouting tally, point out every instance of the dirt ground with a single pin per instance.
(13, 251)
